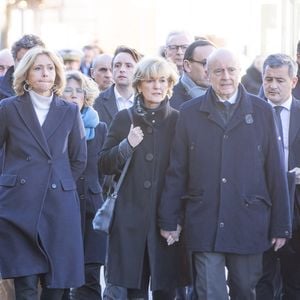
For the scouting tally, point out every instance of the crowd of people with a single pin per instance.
(209, 208)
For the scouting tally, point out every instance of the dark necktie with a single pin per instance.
(278, 110)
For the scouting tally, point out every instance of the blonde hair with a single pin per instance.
(90, 87)
(155, 67)
(22, 70)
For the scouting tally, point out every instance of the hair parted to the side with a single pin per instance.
(90, 87)
(155, 67)
(21, 72)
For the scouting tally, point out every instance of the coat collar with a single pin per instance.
(243, 112)
(54, 117)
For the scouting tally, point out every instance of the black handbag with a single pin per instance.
(104, 215)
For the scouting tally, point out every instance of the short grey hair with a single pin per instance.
(279, 60)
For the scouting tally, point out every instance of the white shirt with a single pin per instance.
(41, 105)
(285, 121)
(231, 100)
(123, 103)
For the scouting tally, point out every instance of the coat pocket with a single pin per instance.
(95, 188)
(257, 200)
(68, 184)
(8, 180)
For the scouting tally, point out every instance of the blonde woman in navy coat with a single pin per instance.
(136, 251)
(45, 153)
(82, 90)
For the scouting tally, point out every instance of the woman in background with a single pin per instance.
(82, 90)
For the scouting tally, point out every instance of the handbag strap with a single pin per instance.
(124, 171)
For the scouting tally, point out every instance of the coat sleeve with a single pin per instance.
(116, 149)
(170, 208)
(77, 146)
(3, 127)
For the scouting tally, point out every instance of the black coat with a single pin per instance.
(6, 89)
(230, 180)
(90, 195)
(134, 229)
(180, 95)
(252, 80)
(40, 229)
(106, 105)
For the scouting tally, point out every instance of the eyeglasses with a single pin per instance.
(230, 71)
(201, 62)
(176, 47)
(70, 90)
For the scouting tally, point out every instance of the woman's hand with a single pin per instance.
(135, 136)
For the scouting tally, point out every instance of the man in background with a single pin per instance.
(176, 45)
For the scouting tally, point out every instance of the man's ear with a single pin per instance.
(186, 66)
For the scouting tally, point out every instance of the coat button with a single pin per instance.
(224, 180)
(81, 197)
(225, 136)
(28, 158)
(221, 225)
(149, 130)
(54, 186)
(81, 178)
(149, 156)
(22, 181)
(147, 184)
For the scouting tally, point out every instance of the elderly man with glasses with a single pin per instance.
(193, 81)
(176, 45)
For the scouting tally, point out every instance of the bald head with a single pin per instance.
(223, 69)
(6, 60)
(101, 71)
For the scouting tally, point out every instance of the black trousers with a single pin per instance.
(26, 288)
(281, 272)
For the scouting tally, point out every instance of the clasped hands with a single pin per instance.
(171, 236)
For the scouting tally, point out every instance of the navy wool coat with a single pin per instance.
(229, 179)
(40, 230)
(90, 194)
(135, 232)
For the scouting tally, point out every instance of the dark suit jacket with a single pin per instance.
(106, 105)
(180, 95)
(6, 89)
(294, 153)
(230, 179)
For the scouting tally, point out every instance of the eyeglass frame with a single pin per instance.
(77, 90)
(201, 62)
(176, 47)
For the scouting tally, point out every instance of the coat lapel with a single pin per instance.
(243, 112)
(110, 102)
(26, 111)
(54, 117)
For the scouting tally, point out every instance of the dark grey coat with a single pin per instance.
(40, 230)
(135, 226)
(230, 180)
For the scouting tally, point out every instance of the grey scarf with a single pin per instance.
(191, 87)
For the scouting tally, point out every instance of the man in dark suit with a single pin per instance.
(279, 80)
(120, 95)
(227, 178)
(193, 81)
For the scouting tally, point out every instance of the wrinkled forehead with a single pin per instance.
(221, 59)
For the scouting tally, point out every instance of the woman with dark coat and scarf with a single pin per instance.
(136, 251)
(82, 90)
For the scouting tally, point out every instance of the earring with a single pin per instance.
(54, 88)
(27, 87)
